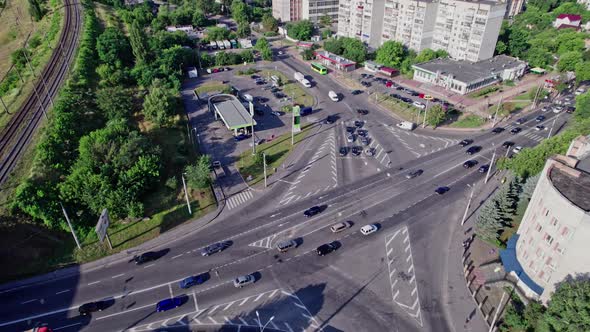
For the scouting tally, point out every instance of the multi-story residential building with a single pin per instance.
(514, 7)
(467, 30)
(552, 240)
(295, 10)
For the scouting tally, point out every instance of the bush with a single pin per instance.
(172, 183)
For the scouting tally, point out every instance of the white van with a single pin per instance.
(333, 95)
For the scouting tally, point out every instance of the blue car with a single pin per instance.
(168, 304)
(240, 137)
(192, 281)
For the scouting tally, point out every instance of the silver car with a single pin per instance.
(242, 281)
(284, 246)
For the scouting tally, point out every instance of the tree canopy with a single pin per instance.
(301, 30)
(113, 48)
(391, 54)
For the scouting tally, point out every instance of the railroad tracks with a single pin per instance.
(18, 132)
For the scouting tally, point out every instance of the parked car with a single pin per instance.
(358, 123)
(466, 142)
(240, 137)
(517, 149)
(343, 151)
(357, 150)
(242, 281)
(483, 168)
(356, 92)
(364, 140)
(191, 281)
(419, 105)
(362, 111)
(285, 245)
(330, 119)
(350, 138)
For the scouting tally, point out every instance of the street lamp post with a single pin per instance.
(553, 125)
(260, 323)
(425, 110)
(188, 203)
(468, 203)
(264, 164)
(491, 165)
(496, 113)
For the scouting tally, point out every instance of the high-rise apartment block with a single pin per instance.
(514, 7)
(295, 10)
(467, 30)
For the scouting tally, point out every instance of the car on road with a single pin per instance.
(168, 304)
(473, 150)
(414, 174)
(350, 138)
(557, 109)
(497, 130)
(507, 144)
(540, 118)
(362, 111)
(255, 77)
(364, 140)
(325, 249)
(90, 307)
(517, 149)
(539, 128)
(515, 130)
(240, 137)
(466, 142)
(191, 281)
(146, 257)
(356, 92)
(520, 121)
(369, 229)
(343, 151)
(214, 248)
(312, 211)
(483, 168)
(358, 123)
(357, 150)
(350, 129)
(242, 281)
(469, 163)
(285, 245)
(330, 119)
(339, 227)
(441, 190)
(333, 95)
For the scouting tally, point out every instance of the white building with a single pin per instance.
(514, 7)
(295, 10)
(585, 2)
(467, 30)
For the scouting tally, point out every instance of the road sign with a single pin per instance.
(103, 225)
(296, 119)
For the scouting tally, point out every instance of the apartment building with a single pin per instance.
(552, 240)
(514, 7)
(467, 30)
(295, 10)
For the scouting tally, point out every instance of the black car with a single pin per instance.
(414, 174)
(395, 95)
(343, 151)
(357, 150)
(90, 307)
(473, 149)
(469, 163)
(540, 118)
(330, 119)
(483, 168)
(362, 133)
(406, 100)
(312, 211)
(507, 144)
(516, 130)
(274, 89)
(325, 249)
(466, 142)
(254, 77)
(358, 123)
(399, 88)
(414, 93)
(350, 129)
(146, 257)
(362, 111)
(442, 190)
(214, 248)
(497, 130)
(520, 121)
(356, 92)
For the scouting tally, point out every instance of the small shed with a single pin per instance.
(389, 72)
(372, 66)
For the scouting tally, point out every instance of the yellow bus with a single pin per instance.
(319, 68)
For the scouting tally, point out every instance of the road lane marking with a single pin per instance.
(273, 293)
(65, 327)
(118, 275)
(145, 267)
(259, 296)
(170, 289)
(195, 298)
(93, 283)
(29, 301)
(63, 291)
(176, 256)
(229, 305)
(244, 301)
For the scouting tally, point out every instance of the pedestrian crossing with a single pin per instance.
(532, 135)
(240, 198)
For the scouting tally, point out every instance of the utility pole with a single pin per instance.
(496, 313)
(4, 105)
(264, 164)
(536, 95)
(468, 204)
(552, 125)
(188, 203)
(70, 224)
(491, 165)
(425, 110)
(292, 127)
(496, 113)
(252, 122)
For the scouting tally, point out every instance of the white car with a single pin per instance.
(539, 128)
(242, 281)
(350, 138)
(369, 229)
(557, 109)
(419, 105)
(333, 95)
(517, 149)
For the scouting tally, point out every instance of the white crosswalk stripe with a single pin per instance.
(238, 199)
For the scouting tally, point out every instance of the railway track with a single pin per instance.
(18, 132)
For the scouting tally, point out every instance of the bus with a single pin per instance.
(319, 68)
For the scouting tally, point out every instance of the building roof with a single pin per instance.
(234, 114)
(467, 72)
(511, 263)
(334, 58)
(574, 184)
(571, 17)
(388, 70)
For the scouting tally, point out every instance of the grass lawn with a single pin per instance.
(291, 88)
(276, 151)
(484, 92)
(212, 86)
(401, 109)
(468, 121)
(509, 107)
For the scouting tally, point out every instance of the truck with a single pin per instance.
(299, 77)
(406, 125)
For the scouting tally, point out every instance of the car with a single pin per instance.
(255, 77)
(274, 89)
(539, 127)
(168, 304)
(362, 111)
(242, 281)
(90, 307)
(260, 82)
(214, 248)
(557, 109)
(276, 113)
(388, 84)
(466, 142)
(350, 138)
(350, 130)
(240, 137)
(497, 130)
(483, 168)
(364, 140)
(406, 100)
(515, 130)
(339, 227)
(473, 150)
(357, 150)
(146, 257)
(281, 52)
(356, 92)
(520, 121)
(191, 281)
(285, 245)
(517, 149)
(419, 105)
(343, 151)
(358, 123)
(441, 190)
(312, 211)
(362, 133)
(399, 88)
(540, 118)
(507, 144)
(414, 174)
(369, 229)
(325, 249)
(414, 93)
(370, 152)
(330, 119)
(469, 163)
(544, 109)
(570, 109)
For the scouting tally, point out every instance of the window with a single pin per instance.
(548, 239)
(554, 222)
(565, 231)
(538, 228)
(546, 212)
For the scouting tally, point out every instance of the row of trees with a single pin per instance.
(350, 48)
(300, 30)
(394, 54)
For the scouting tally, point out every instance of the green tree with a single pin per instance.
(301, 30)
(113, 47)
(518, 41)
(538, 57)
(216, 33)
(115, 102)
(266, 54)
(35, 10)
(261, 44)
(582, 70)
(307, 54)
(435, 115)
(326, 20)
(568, 308)
(582, 112)
(489, 221)
(240, 12)
(247, 56)
(391, 54)
(198, 175)
(334, 46)
(270, 23)
(425, 55)
(353, 49)
(501, 47)
(568, 61)
(199, 18)
(243, 30)
(160, 104)
(139, 43)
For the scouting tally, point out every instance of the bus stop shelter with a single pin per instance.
(231, 111)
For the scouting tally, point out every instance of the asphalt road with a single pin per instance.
(392, 280)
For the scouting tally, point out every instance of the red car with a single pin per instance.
(389, 84)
